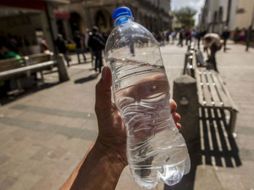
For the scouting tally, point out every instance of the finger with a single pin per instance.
(178, 125)
(103, 91)
(113, 108)
(173, 105)
(176, 117)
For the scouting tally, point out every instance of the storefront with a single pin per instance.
(28, 21)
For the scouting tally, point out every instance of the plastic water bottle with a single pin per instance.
(156, 151)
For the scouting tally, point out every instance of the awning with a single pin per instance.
(31, 4)
(63, 15)
(59, 1)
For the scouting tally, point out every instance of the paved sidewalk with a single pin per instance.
(43, 135)
(237, 69)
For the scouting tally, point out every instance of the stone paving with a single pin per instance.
(44, 134)
(237, 70)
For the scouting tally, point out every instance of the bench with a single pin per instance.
(36, 59)
(212, 91)
(11, 64)
(12, 69)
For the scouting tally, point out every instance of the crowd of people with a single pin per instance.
(11, 47)
(91, 41)
(211, 42)
(240, 35)
(189, 35)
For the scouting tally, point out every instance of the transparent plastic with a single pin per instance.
(156, 151)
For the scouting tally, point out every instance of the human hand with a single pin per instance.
(112, 132)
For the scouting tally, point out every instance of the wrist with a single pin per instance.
(112, 155)
(99, 164)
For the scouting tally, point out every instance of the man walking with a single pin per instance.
(97, 43)
(225, 36)
(61, 47)
(79, 46)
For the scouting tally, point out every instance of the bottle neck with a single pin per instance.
(122, 20)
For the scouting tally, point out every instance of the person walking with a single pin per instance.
(87, 36)
(187, 37)
(79, 46)
(225, 36)
(181, 38)
(212, 43)
(173, 37)
(97, 43)
(61, 47)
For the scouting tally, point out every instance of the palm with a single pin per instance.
(112, 132)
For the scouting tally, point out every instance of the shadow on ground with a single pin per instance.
(215, 146)
(26, 92)
(81, 63)
(86, 79)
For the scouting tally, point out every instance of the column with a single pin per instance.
(51, 23)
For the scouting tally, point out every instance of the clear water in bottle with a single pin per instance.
(156, 150)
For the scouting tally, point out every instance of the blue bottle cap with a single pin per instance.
(121, 11)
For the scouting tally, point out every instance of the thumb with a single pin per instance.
(103, 92)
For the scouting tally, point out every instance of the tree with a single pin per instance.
(185, 16)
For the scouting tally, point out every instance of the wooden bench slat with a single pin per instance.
(231, 103)
(221, 91)
(200, 92)
(38, 58)
(212, 86)
(9, 64)
(197, 76)
(204, 87)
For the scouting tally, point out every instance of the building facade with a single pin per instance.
(29, 22)
(232, 14)
(244, 14)
(218, 14)
(84, 14)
